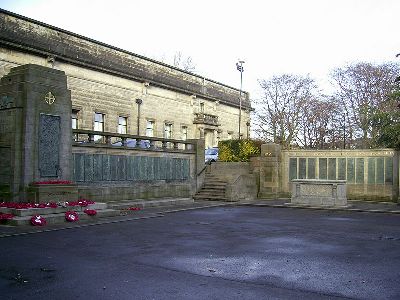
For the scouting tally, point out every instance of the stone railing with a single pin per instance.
(202, 118)
(90, 138)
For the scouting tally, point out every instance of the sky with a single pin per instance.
(273, 37)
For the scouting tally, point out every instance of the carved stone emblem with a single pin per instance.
(6, 102)
(49, 98)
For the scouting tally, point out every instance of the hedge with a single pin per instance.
(238, 150)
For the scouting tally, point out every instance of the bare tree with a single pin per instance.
(361, 89)
(182, 62)
(317, 123)
(279, 112)
(179, 61)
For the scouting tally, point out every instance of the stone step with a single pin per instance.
(142, 203)
(49, 210)
(209, 198)
(211, 191)
(215, 181)
(58, 218)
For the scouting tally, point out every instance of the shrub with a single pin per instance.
(238, 150)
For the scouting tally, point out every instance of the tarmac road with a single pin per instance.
(212, 253)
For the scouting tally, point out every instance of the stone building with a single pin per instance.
(114, 90)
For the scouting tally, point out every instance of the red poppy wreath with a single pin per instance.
(90, 212)
(71, 216)
(38, 220)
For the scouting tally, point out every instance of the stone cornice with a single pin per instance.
(27, 35)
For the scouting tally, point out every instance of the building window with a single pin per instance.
(202, 107)
(98, 124)
(184, 133)
(122, 125)
(74, 122)
(74, 118)
(168, 130)
(150, 128)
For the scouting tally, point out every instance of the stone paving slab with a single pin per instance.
(353, 205)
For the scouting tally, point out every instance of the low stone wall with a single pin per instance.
(242, 182)
(243, 188)
(229, 171)
(319, 192)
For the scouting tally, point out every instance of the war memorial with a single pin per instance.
(109, 125)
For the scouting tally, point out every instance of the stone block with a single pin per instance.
(45, 193)
(319, 192)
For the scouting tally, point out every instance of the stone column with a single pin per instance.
(38, 126)
(270, 182)
(199, 164)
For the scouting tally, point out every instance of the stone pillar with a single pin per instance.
(396, 174)
(270, 183)
(199, 163)
(36, 126)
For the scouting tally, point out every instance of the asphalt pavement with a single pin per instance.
(226, 252)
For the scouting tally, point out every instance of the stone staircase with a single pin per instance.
(213, 189)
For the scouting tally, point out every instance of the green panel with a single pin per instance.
(142, 167)
(389, 170)
(79, 167)
(311, 168)
(106, 167)
(302, 168)
(292, 168)
(174, 171)
(186, 169)
(88, 167)
(150, 168)
(341, 169)
(129, 168)
(121, 171)
(136, 171)
(97, 167)
(168, 168)
(323, 168)
(380, 170)
(157, 168)
(182, 165)
(163, 168)
(351, 171)
(114, 167)
(371, 170)
(332, 168)
(360, 170)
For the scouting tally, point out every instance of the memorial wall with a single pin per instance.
(371, 174)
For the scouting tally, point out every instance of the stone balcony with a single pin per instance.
(206, 119)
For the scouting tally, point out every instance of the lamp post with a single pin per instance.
(138, 102)
(239, 66)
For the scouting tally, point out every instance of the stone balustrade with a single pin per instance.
(90, 138)
(207, 119)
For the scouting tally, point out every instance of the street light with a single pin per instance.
(239, 66)
(138, 102)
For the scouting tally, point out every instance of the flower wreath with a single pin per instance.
(134, 208)
(71, 216)
(38, 220)
(5, 217)
(90, 212)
